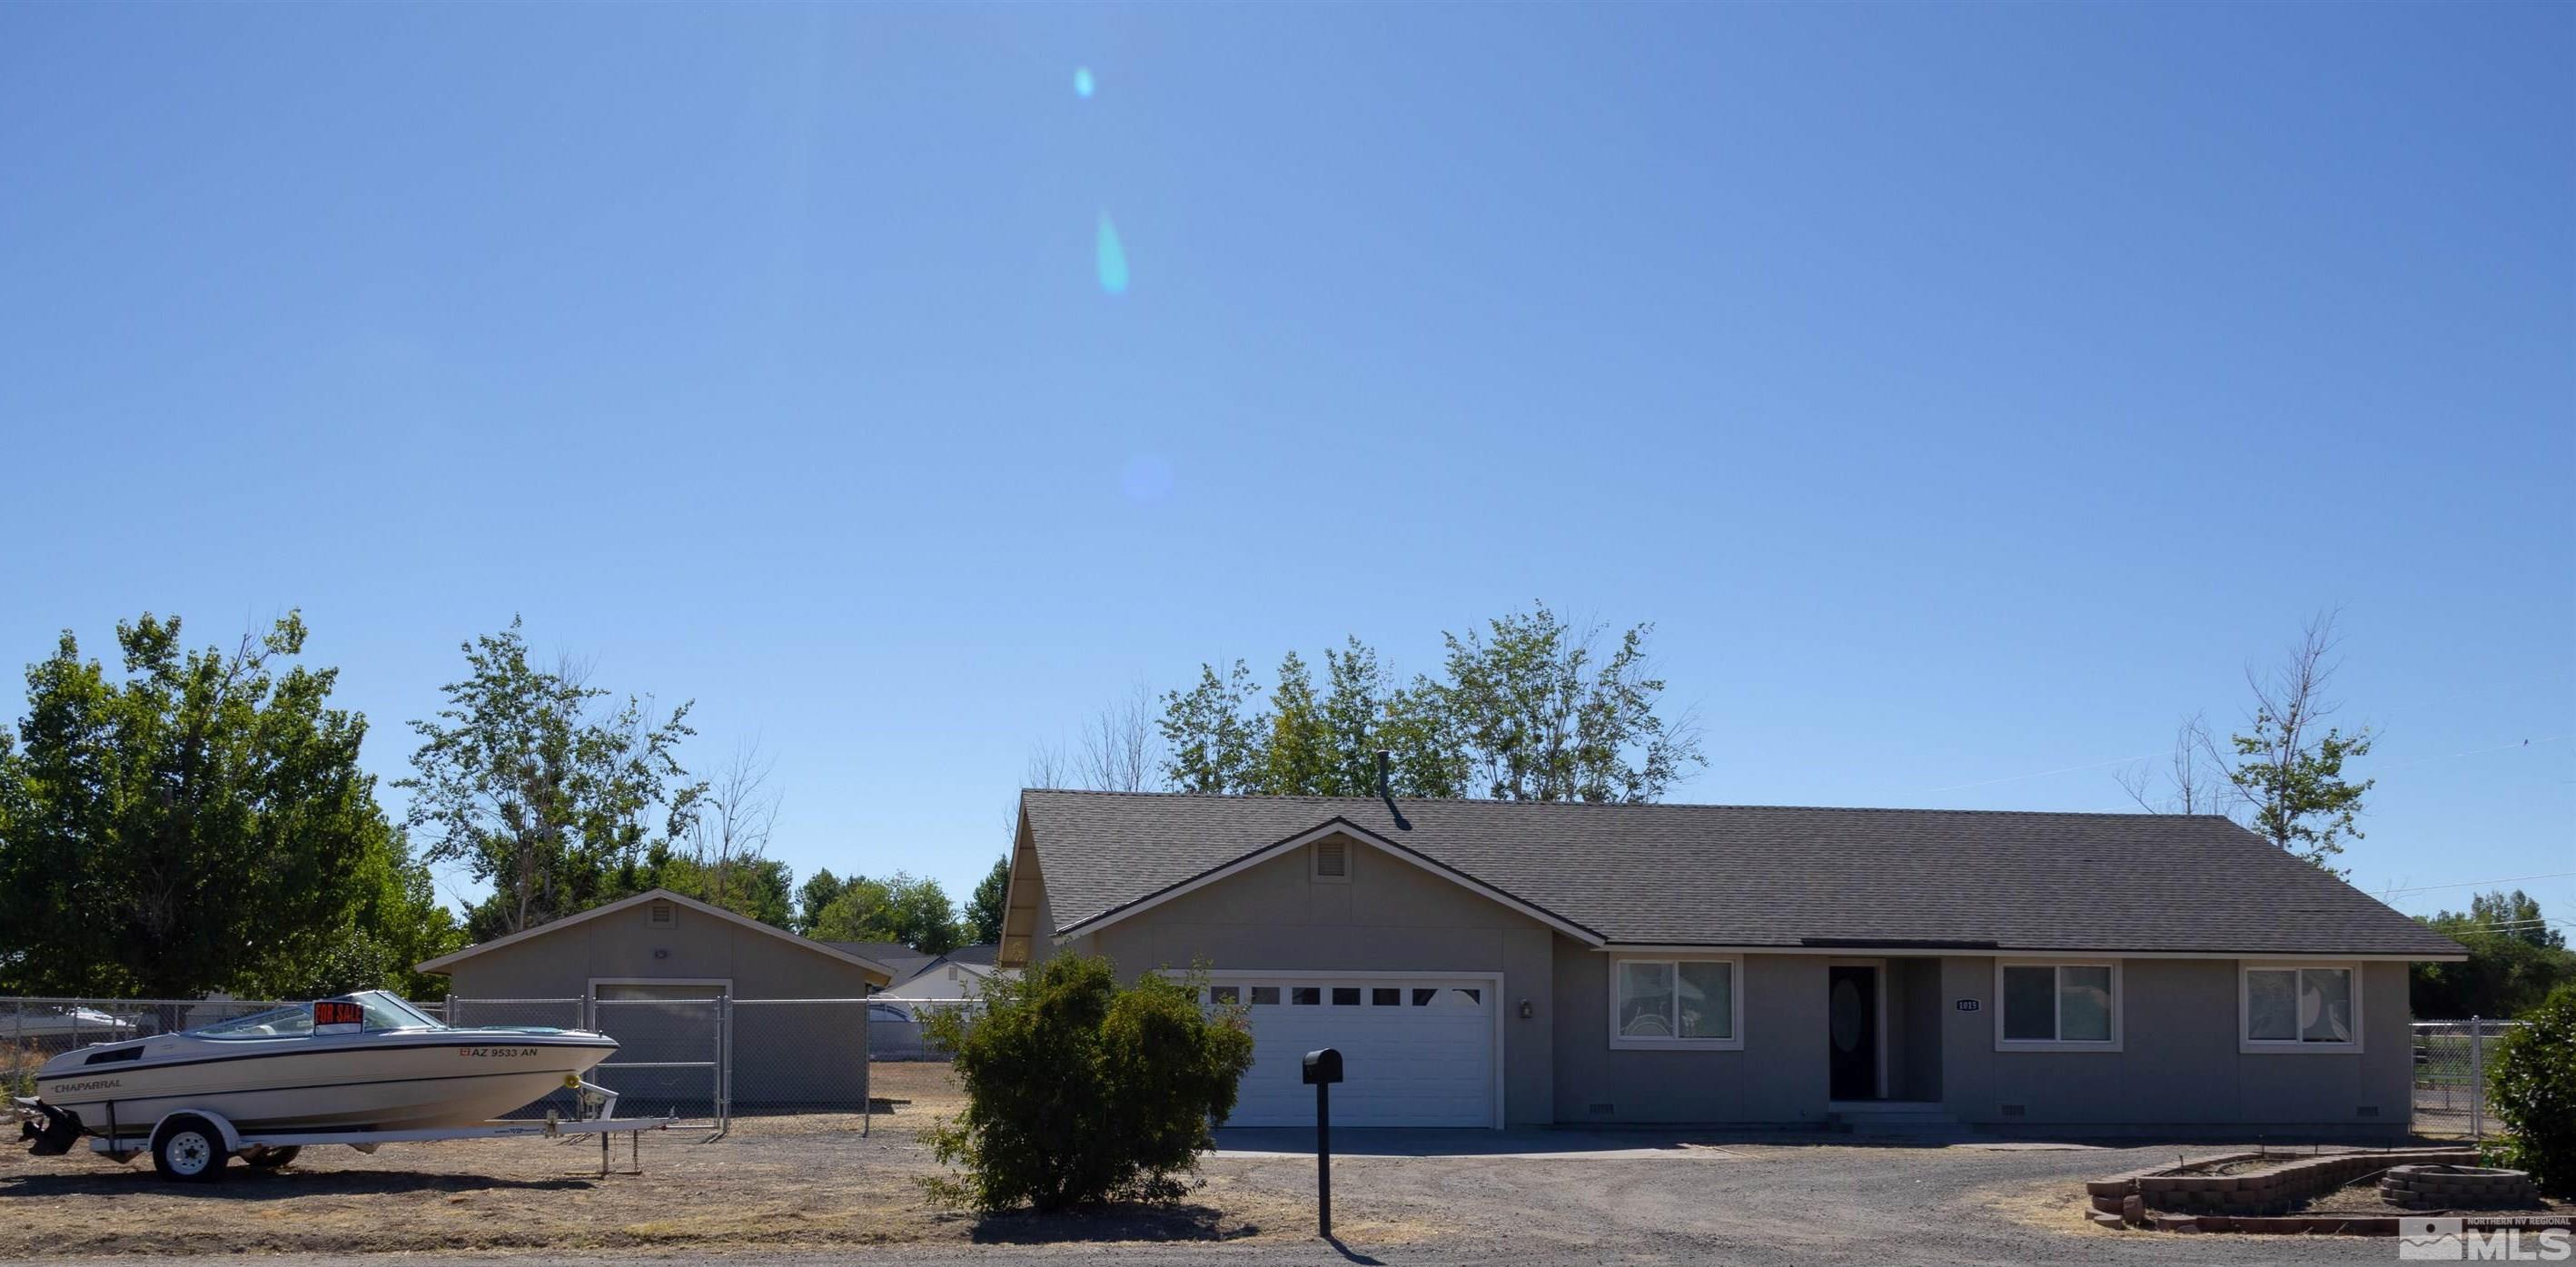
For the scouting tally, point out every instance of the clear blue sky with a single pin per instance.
(1965, 392)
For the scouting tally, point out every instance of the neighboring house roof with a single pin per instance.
(901, 960)
(1755, 876)
(976, 960)
(444, 962)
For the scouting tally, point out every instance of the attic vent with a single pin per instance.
(2013, 1110)
(660, 915)
(2366, 1110)
(1333, 860)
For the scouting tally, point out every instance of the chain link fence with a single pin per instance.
(35, 1030)
(2451, 1063)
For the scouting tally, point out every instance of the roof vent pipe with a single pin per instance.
(1386, 789)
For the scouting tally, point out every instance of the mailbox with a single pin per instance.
(1323, 1067)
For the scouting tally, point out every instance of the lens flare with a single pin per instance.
(1111, 258)
(1082, 82)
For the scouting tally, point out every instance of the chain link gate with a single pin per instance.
(2451, 1063)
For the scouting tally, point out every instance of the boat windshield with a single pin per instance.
(292, 1021)
(383, 1012)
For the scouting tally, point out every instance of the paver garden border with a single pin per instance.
(2186, 1197)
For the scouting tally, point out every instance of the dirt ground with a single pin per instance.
(816, 1180)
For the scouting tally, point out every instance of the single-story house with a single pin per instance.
(1487, 963)
(661, 946)
(956, 974)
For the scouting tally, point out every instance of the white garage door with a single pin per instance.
(1414, 1052)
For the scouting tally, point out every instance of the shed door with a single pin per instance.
(1414, 1053)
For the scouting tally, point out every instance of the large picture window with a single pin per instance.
(1676, 1003)
(2057, 1006)
(2300, 1007)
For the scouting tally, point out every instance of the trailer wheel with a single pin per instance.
(271, 1158)
(189, 1149)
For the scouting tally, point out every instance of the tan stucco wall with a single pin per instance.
(1778, 1078)
(2178, 1064)
(1391, 917)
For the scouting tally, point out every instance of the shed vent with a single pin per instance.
(1333, 860)
(2013, 1110)
(660, 915)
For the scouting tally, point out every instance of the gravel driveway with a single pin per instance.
(1530, 1197)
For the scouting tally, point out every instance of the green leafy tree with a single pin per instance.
(984, 910)
(1212, 740)
(2532, 1084)
(1528, 708)
(1543, 716)
(818, 892)
(540, 789)
(2516, 915)
(188, 827)
(762, 888)
(1298, 756)
(1080, 1092)
(2282, 776)
(900, 908)
(2515, 960)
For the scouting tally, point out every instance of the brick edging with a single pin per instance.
(2159, 1194)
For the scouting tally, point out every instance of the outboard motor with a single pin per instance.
(61, 1130)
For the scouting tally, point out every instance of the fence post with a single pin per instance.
(724, 1060)
(448, 1012)
(2477, 1079)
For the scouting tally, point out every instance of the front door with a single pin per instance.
(1851, 1014)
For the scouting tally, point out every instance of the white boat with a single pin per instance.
(357, 1063)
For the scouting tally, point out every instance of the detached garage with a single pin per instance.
(659, 946)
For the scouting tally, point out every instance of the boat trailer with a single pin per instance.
(190, 1155)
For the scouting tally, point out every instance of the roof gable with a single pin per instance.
(444, 962)
(1330, 829)
(1763, 876)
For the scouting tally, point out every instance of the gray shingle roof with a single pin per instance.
(901, 960)
(1751, 875)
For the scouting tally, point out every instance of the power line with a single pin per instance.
(2471, 884)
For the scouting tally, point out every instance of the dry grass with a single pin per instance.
(806, 1180)
(2055, 1205)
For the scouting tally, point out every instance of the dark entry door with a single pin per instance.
(1852, 1014)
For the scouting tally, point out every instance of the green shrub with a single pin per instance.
(2532, 1084)
(1079, 1091)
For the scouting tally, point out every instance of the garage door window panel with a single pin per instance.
(1418, 1053)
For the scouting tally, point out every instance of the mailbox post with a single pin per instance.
(1323, 1069)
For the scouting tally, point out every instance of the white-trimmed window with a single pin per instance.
(1685, 1003)
(2057, 1005)
(2299, 1007)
